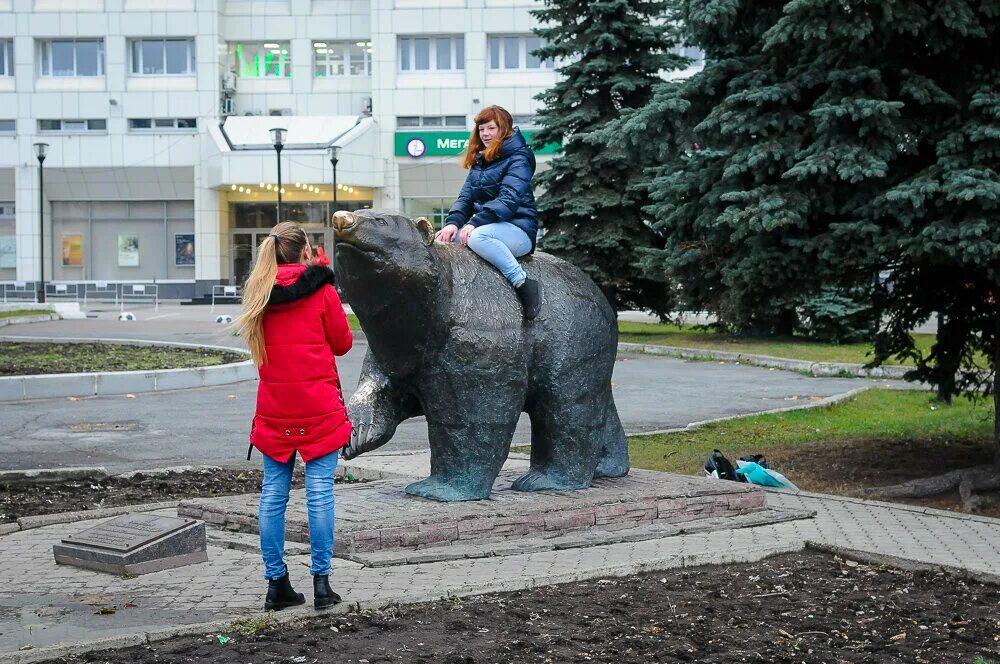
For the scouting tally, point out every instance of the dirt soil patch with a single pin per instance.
(806, 607)
(24, 359)
(846, 468)
(19, 499)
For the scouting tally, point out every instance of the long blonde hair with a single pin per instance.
(505, 127)
(283, 245)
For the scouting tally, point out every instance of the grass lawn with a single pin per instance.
(796, 348)
(21, 359)
(879, 437)
(23, 312)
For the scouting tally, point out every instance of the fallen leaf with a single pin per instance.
(95, 600)
(898, 637)
(105, 611)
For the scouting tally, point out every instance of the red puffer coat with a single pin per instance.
(300, 406)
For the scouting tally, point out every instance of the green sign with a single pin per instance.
(417, 144)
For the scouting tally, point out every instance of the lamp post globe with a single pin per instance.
(41, 151)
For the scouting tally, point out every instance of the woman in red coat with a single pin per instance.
(295, 325)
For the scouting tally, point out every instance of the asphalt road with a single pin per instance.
(210, 425)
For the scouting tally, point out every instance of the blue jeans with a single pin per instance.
(319, 504)
(500, 244)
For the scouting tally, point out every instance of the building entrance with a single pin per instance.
(245, 243)
(251, 223)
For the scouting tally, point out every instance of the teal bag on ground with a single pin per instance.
(758, 475)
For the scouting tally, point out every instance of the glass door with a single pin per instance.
(243, 252)
(245, 243)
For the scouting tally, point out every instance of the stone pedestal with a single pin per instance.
(377, 520)
(135, 544)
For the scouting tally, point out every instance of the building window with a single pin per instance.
(6, 57)
(159, 57)
(72, 57)
(68, 126)
(260, 60)
(343, 58)
(434, 209)
(159, 125)
(513, 52)
(430, 121)
(526, 121)
(432, 53)
(8, 126)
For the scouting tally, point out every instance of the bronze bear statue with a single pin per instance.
(447, 340)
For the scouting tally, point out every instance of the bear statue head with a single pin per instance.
(381, 235)
(387, 268)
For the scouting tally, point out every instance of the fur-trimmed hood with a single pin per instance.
(296, 281)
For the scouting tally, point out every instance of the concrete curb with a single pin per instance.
(42, 520)
(820, 403)
(53, 474)
(22, 320)
(102, 383)
(818, 369)
(903, 563)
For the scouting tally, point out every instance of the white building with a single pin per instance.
(160, 167)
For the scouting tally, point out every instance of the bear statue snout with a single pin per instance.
(344, 220)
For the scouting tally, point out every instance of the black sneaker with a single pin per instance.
(531, 298)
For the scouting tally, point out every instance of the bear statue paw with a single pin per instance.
(445, 492)
(539, 480)
(612, 468)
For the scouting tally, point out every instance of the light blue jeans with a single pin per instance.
(500, 244)
(319, 504)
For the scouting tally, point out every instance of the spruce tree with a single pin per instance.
(611, 52)
(839, 145)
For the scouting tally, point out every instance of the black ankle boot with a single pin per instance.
(530, 297)
(323, 595)
(280, 595)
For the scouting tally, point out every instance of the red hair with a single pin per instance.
(505, 125)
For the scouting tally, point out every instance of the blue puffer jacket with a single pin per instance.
(500, 190)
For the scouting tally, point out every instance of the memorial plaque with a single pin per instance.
(135, 544)
(128, 532)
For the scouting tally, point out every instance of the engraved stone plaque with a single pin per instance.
(135, 544)
(128, 532)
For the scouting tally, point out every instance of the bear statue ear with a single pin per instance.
(426, 228)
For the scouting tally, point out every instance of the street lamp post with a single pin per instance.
(41, 149)
(334, 151)
(278, 138)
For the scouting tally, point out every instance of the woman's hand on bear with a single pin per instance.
(447, 234)
(466, 232)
